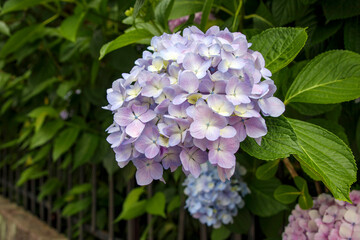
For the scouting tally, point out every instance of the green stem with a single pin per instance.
(49, 20)
(260, 18)
(224, 9)
(236, 15)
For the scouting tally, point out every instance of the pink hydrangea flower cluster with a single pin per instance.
(327, 219)
(191, 99)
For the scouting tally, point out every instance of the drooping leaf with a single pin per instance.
(19, 39)
(261, 201)
(162, 11)
(279, 46)
(45, 133)
(85, 149)
(174, 204)
(267, 170)
(4, 29)
(205, 13)
(331, 77)
(132, 207)
(279, 142)
(334, 9)
(286, 11)
(221, 233)
(352, 34)
(327, 155)
(124, 40)
(286, 194)
(76, 207)
(16, 5)
(185, 8)
(32, 172)
(50, 187)
(64, 141)
(79, 189)
(156, 204)
(70, 26)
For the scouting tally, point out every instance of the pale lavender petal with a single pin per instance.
(199, 156)
(156, 171)
(152, 150)
(174, 139)
(255, 127)
(192, 61)
(124, 116)
(228, 132)
(220, 105)
(162, 108)
(139, 163)
(179, 99)
(116, 99)
(194, 168)
(271, 106)
(123, 164)
(229, 145)
(212, 133)
(123, 153)
(223, 159)
(135, 128)
(139, 109)
(225, 173)
(188, 81)
(201, 143)
(143, 177)
(147, 116)
(198, 130)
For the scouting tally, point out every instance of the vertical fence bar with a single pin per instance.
(68, 219)
(130, 223)
(93, 197)
(49, 212)
(11, 181)
(5, 180)
(17, 190)
(149, 216)
(111, 207)
(25, 195)
(58, 195)
(42, 207)
(203, 233)
(33, 194)
(81, 214)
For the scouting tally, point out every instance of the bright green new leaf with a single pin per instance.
(279, 46)
(4, 29)
(19, 39)
(50, 111)
(331, 77)
(174, 204)
(79, 189)
(132, 207)
(162, 11)
(76, 207)
(70, 26)
(327, 155)
(156, 204)
(279, 142)
(305, 199)
(286, 194)
(64, 141)
(205, 13)
(85, 149)
(16, 5)
(32, 172)
(50, 187)
(267, 170)
(124, 40)
(352, 34)
(45, 133)
(221, 233)
(261, 201)
(185, 8)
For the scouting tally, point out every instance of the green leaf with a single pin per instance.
(162, 11)
(185, 8)
(76, 207)
(79, 189)
(305, 199)
(205, 13)
(132, 207)
(311, 109)
(16, 5)
(335, 9)
(32, 92)
(45, 133)
(242, 222)
(279, 142)
(174, 204)
(70, 26)
(286, 11)
(331, 126)
(352, 34)
(261, 201)
(279, 46)
(32, 172)
(85, 149)
(327, 155)
(156, 204)
(124, 40)
(221, 233)
(286, 194)
(19, 39)
(4, 29)
(331, 77)
(64, 141)
(267, 170)
(50, 187)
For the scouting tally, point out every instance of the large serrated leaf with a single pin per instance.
(261, 200)
(279, 46)
(327, 155)
(331, 77)
(124, 40)
(335, 9)
(16, 5)
(279, 142)
(286, 11)
(352, 34)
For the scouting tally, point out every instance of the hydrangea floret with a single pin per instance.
(212, 201)
(190, 99)
(327, 219)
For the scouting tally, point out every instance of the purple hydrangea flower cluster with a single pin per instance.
(212, 201)
(327, 219)
(192, 99)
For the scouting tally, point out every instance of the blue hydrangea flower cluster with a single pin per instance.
(191, 99)
(212, 201)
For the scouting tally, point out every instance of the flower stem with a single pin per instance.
(290, 167)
